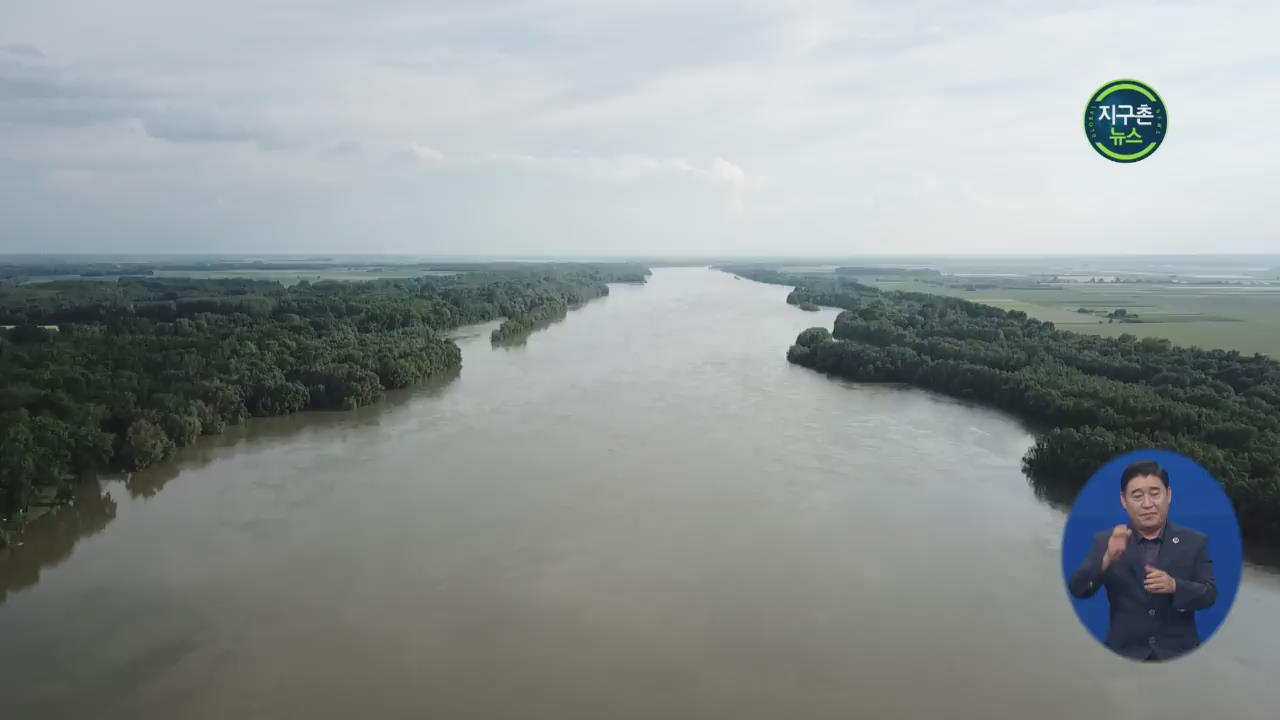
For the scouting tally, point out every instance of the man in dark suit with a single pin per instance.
(1157, 574)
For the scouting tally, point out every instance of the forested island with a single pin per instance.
(105, 376)
(1090, 398)
(541, 314)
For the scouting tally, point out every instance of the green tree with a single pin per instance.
(144, 444)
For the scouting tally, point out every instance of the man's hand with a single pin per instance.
(1115, 546)
(1159, 582)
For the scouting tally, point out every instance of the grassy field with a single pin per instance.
(1238, 318)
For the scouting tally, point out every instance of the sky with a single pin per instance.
(636, 127)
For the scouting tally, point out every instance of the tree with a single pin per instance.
(18, 461)
(1096, 397)
(813, 336)
(144, 444)
(146, 364)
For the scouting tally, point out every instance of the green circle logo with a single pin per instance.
(1125, 121)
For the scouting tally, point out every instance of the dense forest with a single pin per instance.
(100, 375)
(540, 315)
(1092, 397)
(17, 272)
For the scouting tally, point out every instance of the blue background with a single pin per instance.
(1198, 503)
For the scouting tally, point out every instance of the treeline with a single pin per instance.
(817, 289)
(553, 304)
(520, 326)
(888, 272)
(759, 274)
(13, 273)
(1094, 397)
(19, 271)
(141, 366)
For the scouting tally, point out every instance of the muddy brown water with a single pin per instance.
(641, 512)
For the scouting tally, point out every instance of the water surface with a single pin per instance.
(641, 512)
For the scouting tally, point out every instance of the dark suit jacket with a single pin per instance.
(1145, 624)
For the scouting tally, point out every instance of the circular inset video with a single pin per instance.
(1152, 555)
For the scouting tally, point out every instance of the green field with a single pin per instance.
(1229, 302)
(1244, 318)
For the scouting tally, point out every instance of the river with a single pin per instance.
(642, 512)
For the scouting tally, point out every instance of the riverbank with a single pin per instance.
(646, 509)
(144, 366)
(1098, 397)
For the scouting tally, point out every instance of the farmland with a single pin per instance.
(1229, 302)
(1245, 319)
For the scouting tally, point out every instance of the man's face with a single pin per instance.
(1146, 499)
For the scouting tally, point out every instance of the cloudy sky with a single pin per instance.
(632, 127)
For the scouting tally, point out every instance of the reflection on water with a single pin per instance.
(646, 513)
(1263, 559)
(1056, 492)
(50, 539)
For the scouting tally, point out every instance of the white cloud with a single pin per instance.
(820, 126)
(630, 167)
(728, 172)
(425, 153)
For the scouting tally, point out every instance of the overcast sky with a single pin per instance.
(634, 127)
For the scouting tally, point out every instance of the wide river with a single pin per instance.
(643, 512)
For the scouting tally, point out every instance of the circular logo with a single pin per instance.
(1125, 121)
